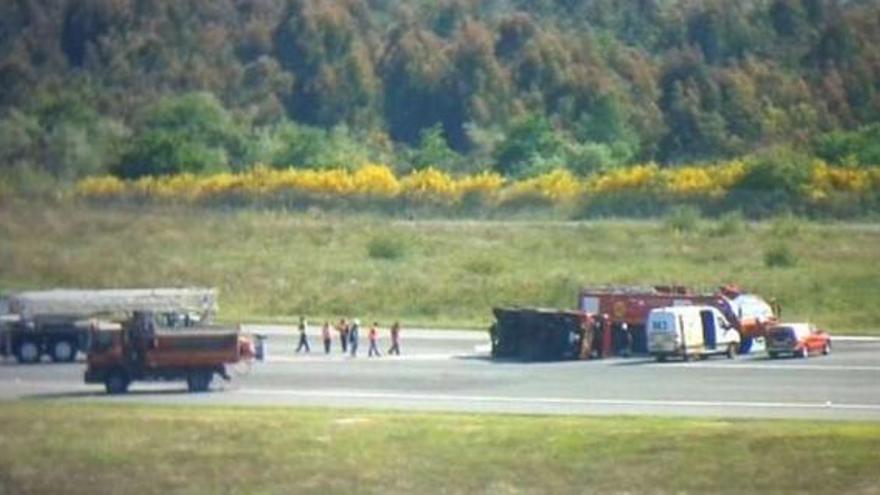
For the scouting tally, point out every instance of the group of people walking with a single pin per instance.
(349, 337)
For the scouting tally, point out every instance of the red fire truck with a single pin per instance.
(750, 314)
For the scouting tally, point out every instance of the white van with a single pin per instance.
(690, 331)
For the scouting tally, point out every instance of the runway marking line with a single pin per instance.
(351, 394)
(773, 366)
(760, 365)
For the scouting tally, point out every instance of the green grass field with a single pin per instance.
(275, 265)
(57, 447)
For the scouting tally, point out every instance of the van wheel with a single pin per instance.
(827, 349)
(199, 381)
(28, 352)
(731, 350)
(116, 382)
(63, 351)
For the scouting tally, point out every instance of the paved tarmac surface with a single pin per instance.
(450, 371)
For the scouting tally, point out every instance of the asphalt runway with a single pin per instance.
(451, 371)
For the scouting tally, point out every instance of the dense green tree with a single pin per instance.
(621, 82)
(433, 151)
(529, 141)
(190, 133)
(861, 146)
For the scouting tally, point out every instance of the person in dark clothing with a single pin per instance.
(303, 339)
(622, 339)
(395, 339)
(598, 336)
(342, 328)
(353, 335)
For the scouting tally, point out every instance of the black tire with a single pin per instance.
(63, 351)
(199, 381)
(773, 354)
(731, 350)
(27, 352)
(827, 349)
(116, 382)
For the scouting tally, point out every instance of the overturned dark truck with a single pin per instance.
(535, 334)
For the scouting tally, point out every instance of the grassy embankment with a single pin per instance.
(277, 265)
(47, 447)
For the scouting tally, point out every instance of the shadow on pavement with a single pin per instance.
(82, 394)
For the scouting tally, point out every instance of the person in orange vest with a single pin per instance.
(325, 334)
(395, 339)
(374, 339)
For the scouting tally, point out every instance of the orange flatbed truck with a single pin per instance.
(139, 352)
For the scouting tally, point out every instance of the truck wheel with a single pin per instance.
(745, 345)
(731, 350)
(28, 352)
(116, 382)
(63, 351)
(199, 381)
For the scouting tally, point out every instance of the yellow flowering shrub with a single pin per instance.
(641, 177)
(558, 185)
(106, 186)
(486, 184)
(691, 181)
(376, 180)
(379, 181)
(729, 174)
(429, 184)
(703, 181)
(220, 184)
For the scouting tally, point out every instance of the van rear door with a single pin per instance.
(710, 340)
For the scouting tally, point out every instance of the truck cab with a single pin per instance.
(690, 331)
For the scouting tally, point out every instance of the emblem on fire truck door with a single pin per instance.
(619, 309)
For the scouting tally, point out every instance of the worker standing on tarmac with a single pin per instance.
(374, 339)
(587, 339)
(626, 340)
(325, 334)
(395, 339)
(598, 336)
(303, 339)
(353, 337)
(342, 328)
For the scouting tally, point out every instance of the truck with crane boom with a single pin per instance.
(57, 322)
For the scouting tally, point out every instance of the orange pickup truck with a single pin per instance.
(139, 351)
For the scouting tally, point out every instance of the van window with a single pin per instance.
(662, 322)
